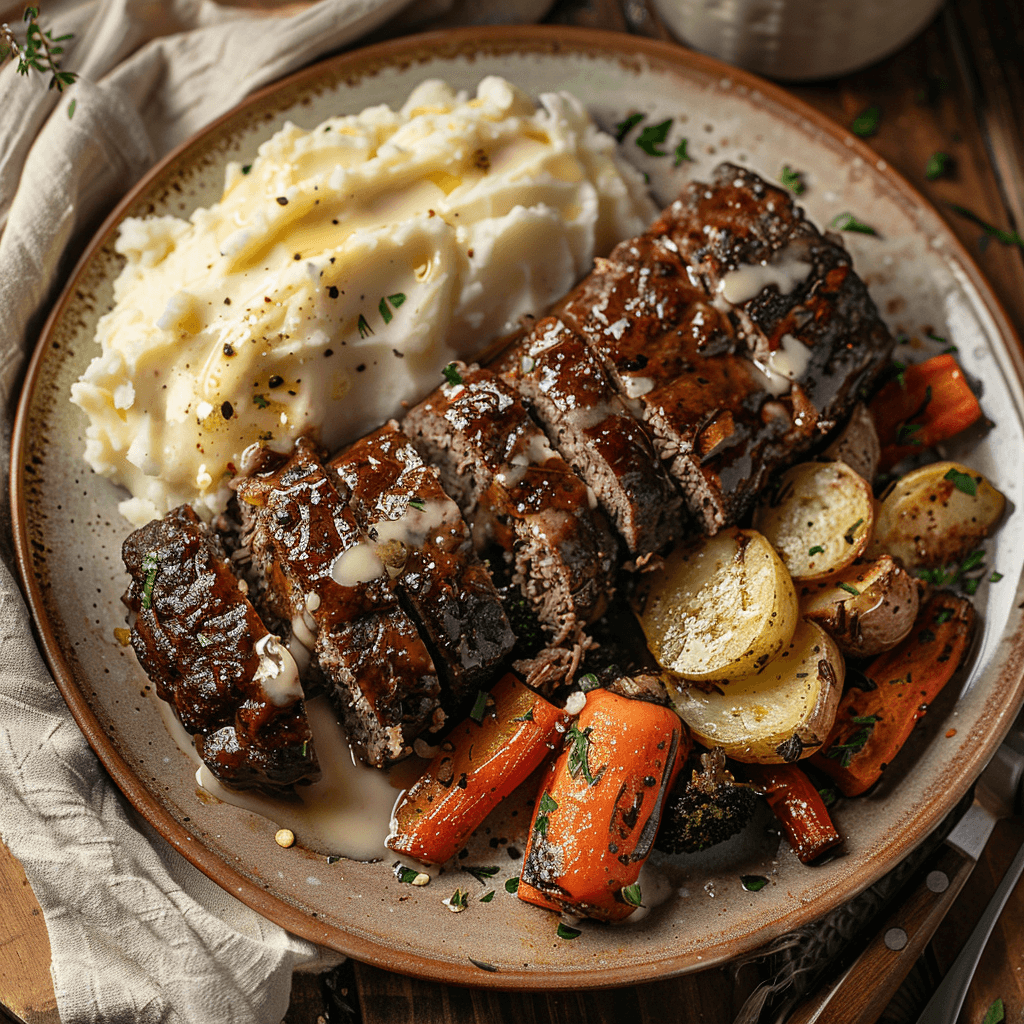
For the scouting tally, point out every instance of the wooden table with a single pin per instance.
(959, 89)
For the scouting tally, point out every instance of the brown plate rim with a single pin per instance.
(466, 41)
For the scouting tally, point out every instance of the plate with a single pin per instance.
(68, 534)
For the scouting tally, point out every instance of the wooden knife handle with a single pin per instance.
(861, 994)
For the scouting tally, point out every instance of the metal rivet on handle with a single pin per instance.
(895, 939)
(937, 881)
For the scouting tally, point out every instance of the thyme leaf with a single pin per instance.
(623, 128)
(847, 222)
(793, 180)
(654, 135)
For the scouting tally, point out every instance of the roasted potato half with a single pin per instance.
(819, 519)
(935, 515)
(867, 609)
(720, 608)
(780, 714)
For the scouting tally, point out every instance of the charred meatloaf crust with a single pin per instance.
(201, 642)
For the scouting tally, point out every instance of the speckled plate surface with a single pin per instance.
(68, 534)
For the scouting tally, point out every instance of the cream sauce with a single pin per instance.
(277, 672)
(785, 271)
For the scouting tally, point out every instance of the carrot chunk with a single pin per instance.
(599, 807)
(478, 765)
(799, 808)
(927, 403)
(873, 724)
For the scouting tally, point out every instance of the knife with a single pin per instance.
(862, 992)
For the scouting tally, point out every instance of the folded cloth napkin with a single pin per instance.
(137, 934)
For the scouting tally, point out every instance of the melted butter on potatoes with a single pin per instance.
(338, 274)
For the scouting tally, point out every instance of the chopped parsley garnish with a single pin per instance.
(681, 153)
(793, 180)
(753, 883)
(481, 873)
(866, 123)
(547, 803)
(901, 372)
(995, 577)
(580, 754)
(382, 307)
(247, 168)
(962, 481)
(849, 588)
(458, 900)
(365, 330)
(816, 550)
(944, 616)
(631, 894)
(418, 503)
(1006, 237)
(847, 222)
(525, 717)
(565, 932)
(972, 561)
(843, 752)
(451, 374)
(828, 795)
(397, 299)
(932, 336)
(589, 682)
(544, 808)
(260, 401)
(487, 896)
(939, 163)
(995, 1013)
(623, 128)
(479, 706)
(405, 875)
(654, 135)
(511, 885)
(970, 586)
(150, 565)
(848, 536)
(905, 433)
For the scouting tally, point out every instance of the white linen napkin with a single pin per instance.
(137, 933)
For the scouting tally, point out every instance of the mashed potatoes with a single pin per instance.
(337, 276)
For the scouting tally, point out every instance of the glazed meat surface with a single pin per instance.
(324, 576)
(427, 548)
(200, 640)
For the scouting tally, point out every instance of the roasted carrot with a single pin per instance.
(798, 806)
(478, 765)
(873, 724)
(599, 807)
(926, 403)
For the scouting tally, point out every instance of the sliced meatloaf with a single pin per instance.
(232, 685)
(731, 390)
(427, 548)
(585, 419)
(520, 495)
(325, 577)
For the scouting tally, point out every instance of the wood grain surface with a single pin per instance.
(957, 89)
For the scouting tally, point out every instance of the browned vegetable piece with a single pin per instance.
(799, 808)
(479, 764)
(872, 725)
(599, 807)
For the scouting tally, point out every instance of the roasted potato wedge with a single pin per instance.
(718, 609)
(936, 515)
(780, 714)
(857, 444)
(819, 519)
(866, 609)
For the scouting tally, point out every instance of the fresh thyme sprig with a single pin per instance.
(40, 52)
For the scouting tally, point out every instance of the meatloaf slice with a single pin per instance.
(325, 577)
(520, 495)
(230, 682)
(587, 422)
(427, 548)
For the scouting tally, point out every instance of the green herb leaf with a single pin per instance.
(480, 873)
(1006, 237)
(150, 565)
(332, 858)
(849, 535)
(580, 754)
(418, 503)
(622, 129)
(972, 561)
(247, 168)
(995, 577)
(487, 896)
(970, 586)
(654, 135)
(905, 433)
(867, 719)
(397, 299)
(304, 749)
(479, 706)
(847, 222)
(71, 109)
(405, 875)
(828, 795)
(565, 932)
(995, 1013)
(793, 180)
(365, 330)
(901, 372)
(944, 616)
(681, 153)
(816, 550)
(547, 803)
(384, 310)
(939, 163)
(260, 401)
(753, 883)
(962, 481)
(589, 682)
(511, 884)
(451, 374)
(866, 123)
(631, 894)
(849, 588)
(527, 717)
(458, 900)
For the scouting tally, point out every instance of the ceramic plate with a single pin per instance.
(69, 535)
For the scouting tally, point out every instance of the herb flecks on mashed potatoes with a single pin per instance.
(339, 273)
